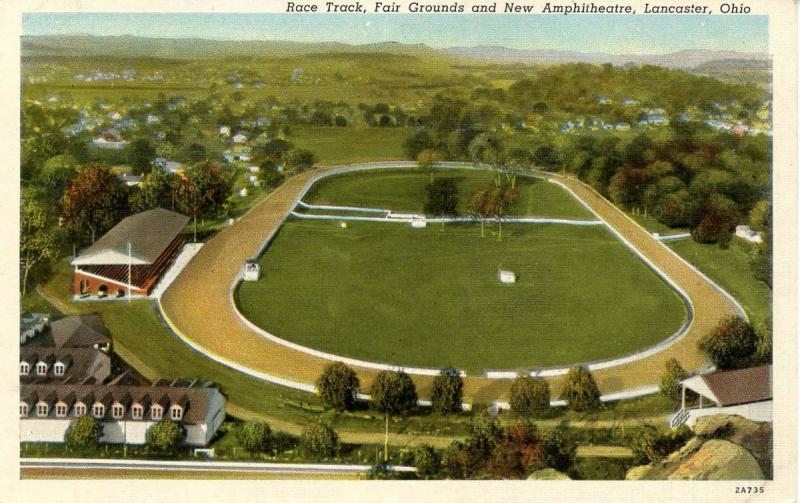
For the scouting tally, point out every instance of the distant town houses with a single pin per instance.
(109, 139)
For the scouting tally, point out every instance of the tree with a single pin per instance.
(41, 238)
(140, 154)
(558, 450)
(56, 173)
(320, 440)
(254, 436)
(580, 390)
(500, 201)
(730, 343)
(478, 205)
(719, 215)
(337, 386)
(393, 393)
(547, 157)
(340, 121)
(649, 444)
(487, 148)
(165, 435)
(529, 395)
(456, 462)
(446, 393)
(417, 142)
(301, 160)
(426, 160)
(276, 149)
(93, 200)
(83, 434)
(204, 189)
(671, 378)
(764, 342)
(156, 189)
(197, 152)
(442, 197)
(516, 452)
(427, 462)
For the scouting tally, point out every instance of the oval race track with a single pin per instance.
(199, 308)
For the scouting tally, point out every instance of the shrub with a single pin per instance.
(529, 395)
(730, 343)
(254, 436)
(446, 393)
(165, 435)
(516, 452)
(337, 386)
(394, 393)
(558, 450)
(83, 434)
(669, 380)
(427, 462)
(456, 463)
(320, 440)
(649, 444)
(580, 390)
(763, 352)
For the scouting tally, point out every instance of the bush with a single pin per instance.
(165, 435)
(394, 393)
(558, 450)
(456, 463)
(320, 440)
(529, 395)
(83, 434)
(580, 390)
(446, 393)
(763, 352)
(254, 436)
(730, 343)
(650, 445)
(337, 386)
(600, 469)
(427, 462)
(673, 374)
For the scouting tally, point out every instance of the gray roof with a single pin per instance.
(149, 232)
(82, 364)
(84, 331)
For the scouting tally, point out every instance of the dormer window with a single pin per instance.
(156, 411)
(80, 409)
(137, 411)
(41, 368)
(176, 412)
(42, 409)
(59, 369)
(23, 409)
(61, 410)
(117, 411)
(98, 410)
(24, 368)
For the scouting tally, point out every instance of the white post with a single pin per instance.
(129, 271)
(683, 396)
(701, 401)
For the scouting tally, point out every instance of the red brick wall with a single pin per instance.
(92, 285)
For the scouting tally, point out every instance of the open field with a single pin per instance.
(363, 144)
(430, 298)
(404, 190)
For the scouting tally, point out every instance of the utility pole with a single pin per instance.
(386, 441)
(129, 271)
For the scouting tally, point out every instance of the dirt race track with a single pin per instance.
(197, 304)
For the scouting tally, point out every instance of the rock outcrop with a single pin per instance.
(548, 474)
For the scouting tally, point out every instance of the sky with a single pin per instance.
(610, 33)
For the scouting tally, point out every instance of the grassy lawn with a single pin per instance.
(427, 297)
(334, 145)
(731, 270)
(404, 190)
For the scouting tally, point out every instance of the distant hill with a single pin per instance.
(727, 65)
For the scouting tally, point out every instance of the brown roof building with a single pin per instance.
(84, 331)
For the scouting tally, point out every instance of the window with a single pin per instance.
(117, 411)
(80, 410)
(24, 368)
(58, 369)
(42, 409)
(99, 410)
(137, 411)
(176, 413)
(41, 368)
(155, 412)
(61, 410)
(23, 410)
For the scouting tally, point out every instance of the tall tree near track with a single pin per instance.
(393, 393)
(501, 199)
(478, 205)
(203, 190)
(93, 200)
(446, 392)
(580, 390)
(40, 236)
(426, 160)
(337, 386)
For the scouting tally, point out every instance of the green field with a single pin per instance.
(335, 145)
(430, 297)
(404, 190)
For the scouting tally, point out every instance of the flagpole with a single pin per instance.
(129, 271)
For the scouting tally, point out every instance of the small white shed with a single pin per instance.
(252, 270)
(506, 277)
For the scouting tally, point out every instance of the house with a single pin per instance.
(48, 364)
(153, 119)
(130, 258)
(109, 139)
(129, 180)
(114, 116)
(167, 166)
(604, 100)
(32, 325)
(506, 277)
(239, 138)
(85, 331)
(224, 131)
(748, 234)
(744, 392)
(124, 411)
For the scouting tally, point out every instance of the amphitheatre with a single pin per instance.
(252, 327)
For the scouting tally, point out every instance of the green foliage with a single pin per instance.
(456, 462)
(394, 393)
(650, 444)
(763, 352)
(165, 435)
(320, 440)
(254, 436)
(558, 450)
(197, 152)
(546, 157)
(337, 386)
(83, 434)
(529, 395)
(446, 392)
(719, 217)
(300, 160)
(140, 154)
(156, 189)
(730, 343)
(671, 378)
(41, 238)
(592, 468)
(416, 143)
(93, 200)
(516, 453)
(56, 173)
(427, 462)
(580, 390)
(276, 149)
(442, 197)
